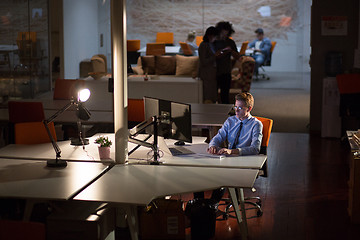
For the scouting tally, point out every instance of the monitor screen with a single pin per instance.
(175, 122)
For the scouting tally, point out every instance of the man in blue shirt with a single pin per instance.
(261, 46)
(242, 131)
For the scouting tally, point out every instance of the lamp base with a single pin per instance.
(78, 142)
(56, 163)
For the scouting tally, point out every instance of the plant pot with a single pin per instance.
(104, 152)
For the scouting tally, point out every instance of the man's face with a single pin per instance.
(241, 111)
(260, 36)
(223, 34)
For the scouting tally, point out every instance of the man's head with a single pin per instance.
(259, 33)
(244, 102)
(225, 29)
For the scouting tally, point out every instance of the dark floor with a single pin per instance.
(305, 195)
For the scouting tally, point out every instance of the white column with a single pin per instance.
(118, 42)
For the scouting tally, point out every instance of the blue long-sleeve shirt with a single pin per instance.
(250, 137)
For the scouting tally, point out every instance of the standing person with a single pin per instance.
(207, 65)
(261, 46)
(228, 49)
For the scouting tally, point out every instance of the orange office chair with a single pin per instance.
(132, 51)
(33, 133)
(136, 112)
(186, 49)
(155, 49)
(267, 127)
(165, 37)
(19, 230)
(267, 63)
(25, 111)
(198, 40)
(243, 47)
(65, 89)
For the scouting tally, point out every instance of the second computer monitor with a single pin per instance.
(174, 118)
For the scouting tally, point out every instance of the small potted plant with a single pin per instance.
(104, 147)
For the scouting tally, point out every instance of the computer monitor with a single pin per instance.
(174, 118)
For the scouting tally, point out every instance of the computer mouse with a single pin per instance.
(179, 143)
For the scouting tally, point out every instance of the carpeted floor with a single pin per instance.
(285, 98)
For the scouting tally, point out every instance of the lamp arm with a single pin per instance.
(55, 146)
(66, 107)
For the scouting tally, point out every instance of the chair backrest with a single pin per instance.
(268, 61)
(17, 230)
(155, 49)
(65, 89)
(243, 47)
(186, 49)
(25, 111)
(136, 111)
(198, 40)
(133, 45)
(165, 37)
(33, 133)
(267, 127)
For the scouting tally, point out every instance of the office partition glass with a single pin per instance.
(24, 61)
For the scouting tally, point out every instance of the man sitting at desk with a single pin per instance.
(242, 131)
(261, 46)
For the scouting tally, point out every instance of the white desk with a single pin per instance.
(137, 185)
(33, 181)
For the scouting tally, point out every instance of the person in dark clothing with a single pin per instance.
(227, 50)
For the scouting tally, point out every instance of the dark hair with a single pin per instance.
(259, 31)
(210, 31)
(225, 26)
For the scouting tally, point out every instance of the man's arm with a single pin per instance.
(266, 46)
(254, 148)
(221, 136)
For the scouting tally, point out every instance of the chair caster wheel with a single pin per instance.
(259, 213)
(267, 78)
(225, 216)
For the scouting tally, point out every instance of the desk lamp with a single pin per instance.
(82, 114)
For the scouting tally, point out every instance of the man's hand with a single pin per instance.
(228, 151)
(212, 150)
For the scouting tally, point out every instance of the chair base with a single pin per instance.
(227, 213)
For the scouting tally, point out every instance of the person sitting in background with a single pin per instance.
(261, 46)
(242, 132)
(190, 40)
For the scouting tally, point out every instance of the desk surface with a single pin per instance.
(137, 184)
(32, 179)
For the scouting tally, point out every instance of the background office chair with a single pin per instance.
(155, 49)
(19, 230)
(243, 48)
(165, 37)
(267, 63)
(198, 40)
(33, 133)
(267, 127)
(65, 89)
(20, 112)
(186, 49)
(132, 51)
(136, 112)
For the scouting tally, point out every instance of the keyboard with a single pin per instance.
(179, 150)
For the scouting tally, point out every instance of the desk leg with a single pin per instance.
(132, 221)
(241, 218)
